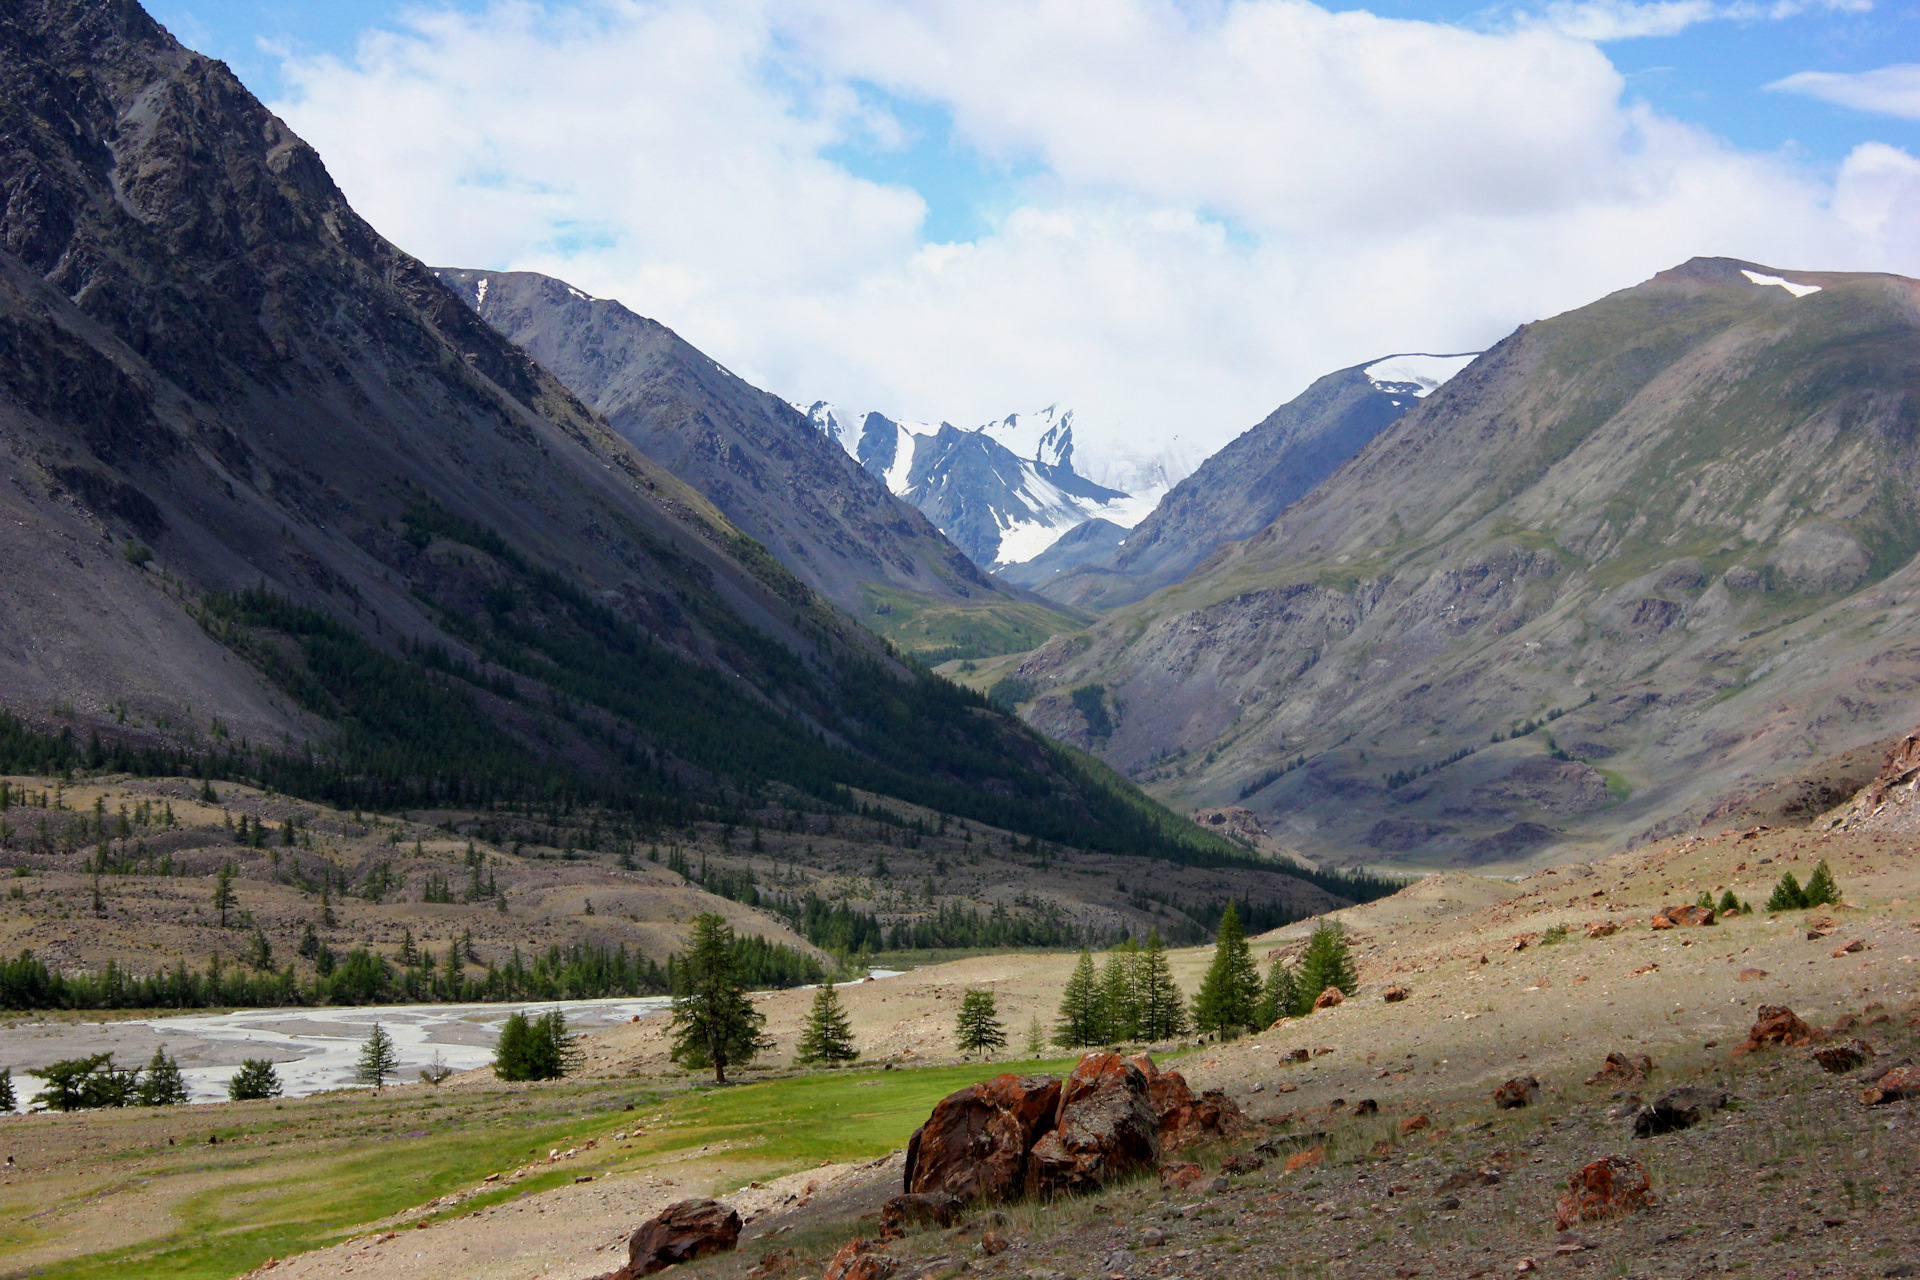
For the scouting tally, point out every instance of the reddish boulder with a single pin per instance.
(1602, 929)
(1778, 1026)
(860, 1260)
(680, 1233)
(992, 1242)
(1184, 1119)
(1414, 1124)
(1305, 1159)
(1896, 1085)
(1842, 1058)
(1521, 1091)
(1604, 1189)
(975, 1143)
(1394, 995)
(1178, 1175)
(1751, 975)
(1104, 1127)
(1329, 998)
(1684, 914)
(1623, 1068)
(920, 1209)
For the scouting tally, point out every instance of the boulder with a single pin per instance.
(1842, 1058)
(1778, 1026)
(1623, 1068)
(1680, 1108)
(1684, 914)
(1297, 1055)
(1394, 995)
(1183, 1118)
(1328, 998)
(1849, 949)
(1521, 1091)
(1103, 1128)
(1366, 1107)
(1414, 1124)
(1305, 1159)
(920, 1209)
(1604, 1189)
(860, 1260)
(975, 1143)
(1751, 975)
(1896, 1085)
(682, 1232)
(1602, 929)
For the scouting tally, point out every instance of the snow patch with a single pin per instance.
(481, 300)
(1797, 290)
(1416, 373)
(576, 293)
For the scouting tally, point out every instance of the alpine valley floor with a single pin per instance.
(494, 1182)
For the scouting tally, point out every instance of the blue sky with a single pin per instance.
(1171, 214)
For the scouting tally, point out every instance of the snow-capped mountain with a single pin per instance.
(1417, 375)
(1006, 490)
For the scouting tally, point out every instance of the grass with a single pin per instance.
(939, 630)
(312, 1172)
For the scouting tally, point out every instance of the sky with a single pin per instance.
(1170, 215)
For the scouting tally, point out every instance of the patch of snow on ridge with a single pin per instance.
(481, 301)
(1797, 290)
(1417, 372)
(904, 444)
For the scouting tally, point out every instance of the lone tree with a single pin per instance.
(163, 1085)
(1231, 990)
(1082, 1020)
(1326, 963)
(829, 1036)
(978, 1027)
(257, 1079)
(7, 1100)
(1163, 1014)
(379, 1061)
(223, 892)
(714, 1023)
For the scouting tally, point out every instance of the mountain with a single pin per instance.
(280, 507)
(763, 464)
(1093, 542)
(1633, 565)
(1003, 491)
(1238, 491)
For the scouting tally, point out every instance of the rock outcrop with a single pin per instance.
(1521, 1091)
(1105, 1127)
(1623, 1068)
(1604, 1189)
(975, 1143)
(1185, 1118)
(1686, 913)
(1778, 1027)
(680, 1233)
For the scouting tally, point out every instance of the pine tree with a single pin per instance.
(327, 918)
(379, 1061)
(714, 1023)
(978, 1027)
(1821, 889)
(1787, 895)
(1080, 1022)
(1231, 990)
(163, 1086)
(1120, 995)
(1279, 996)
(8, 1102)
(256, 1078)
(1326, 963)
(1036, 1038)
(223, 891)
(829, 1036)
(1163, 1014)
(1729, 905)
(260, 951)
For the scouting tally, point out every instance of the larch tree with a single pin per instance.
(978, 1026)
(1228, 996)
(1081, 1021)
(829, 1035)
(714, 1022)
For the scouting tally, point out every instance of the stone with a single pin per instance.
(1394, 995)
(1777, 1026)
(860, 1260)
(992, 1242)
(1521, 1091)
(1896, 1085)
(1850, 948)
(1286, 1086)
(681, 1232)
(1623, 1068)
(1241, 1163)
(1305, 1159)
(1328, 999)
(1185, 1119)
(1683, 915)
(1604, 1189)
(1462, 1179)
(1152, 1238)
(975, 1143)
(1104, 1128)
(1842, 1058)
(1298, 1055)
(1602, 929)
(920, 1209)
(1751, 975)
(1414, 1124)
(1680, 1108)
(777, 1263)
(1447, 1204)
(1178, 1175)
(1366, 1107)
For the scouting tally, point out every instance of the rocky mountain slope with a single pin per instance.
(1238, 491)
(1636, 560)
(279, 506)
(751, 454)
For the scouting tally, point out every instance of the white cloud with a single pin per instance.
(1608, 20)
(1228, 200)
(1892, 91)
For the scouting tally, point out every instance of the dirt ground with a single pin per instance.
(1489, 1000)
